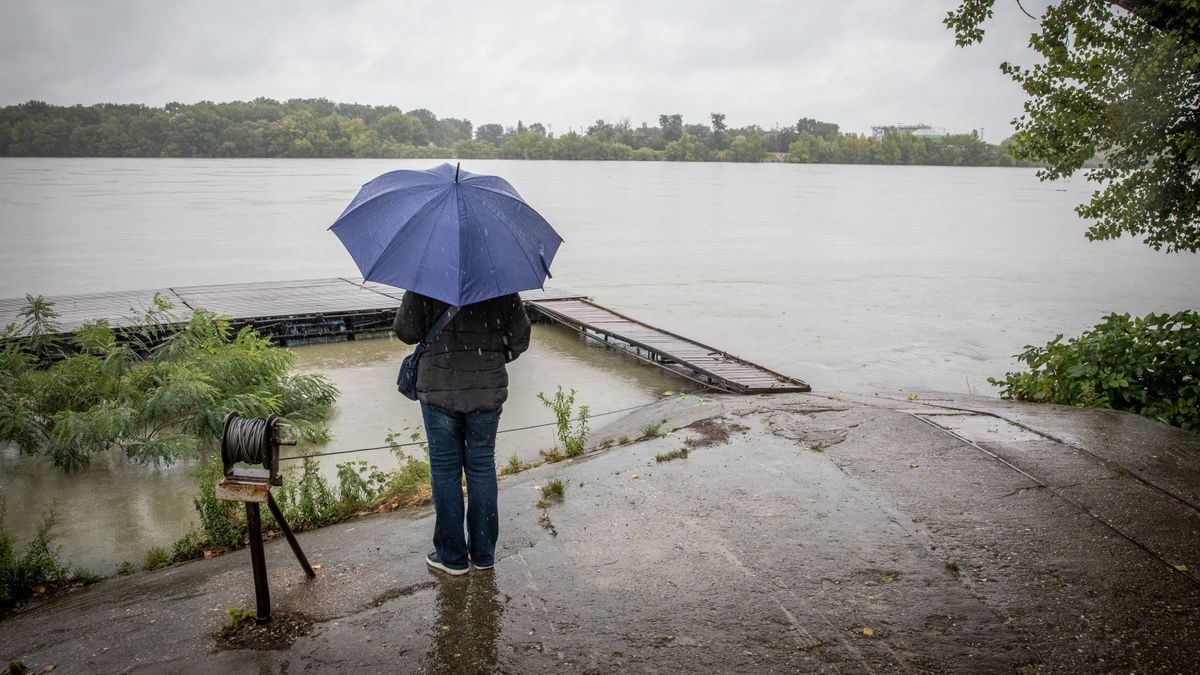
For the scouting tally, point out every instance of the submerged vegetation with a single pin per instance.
(157, 391)
(1148, 365)
(265, 127)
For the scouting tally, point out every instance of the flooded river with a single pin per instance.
(855, 278)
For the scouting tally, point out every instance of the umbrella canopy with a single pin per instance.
(448, 234)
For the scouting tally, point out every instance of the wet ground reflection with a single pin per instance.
(466, 629)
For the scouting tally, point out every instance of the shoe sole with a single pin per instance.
(483, 567)
(448, 570)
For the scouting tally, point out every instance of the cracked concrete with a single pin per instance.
(915, 541)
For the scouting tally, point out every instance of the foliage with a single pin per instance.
(305, 498)
(125, 568)
(681, 453)
(159, 408)
(651, 430)
(513, 466)
(157, 558)
(239, 614)
(553, 491)
(321, 128)
(1149, 365)
(22, 576)
(573, 436)
(1124, 86)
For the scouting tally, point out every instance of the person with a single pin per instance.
(462, 384)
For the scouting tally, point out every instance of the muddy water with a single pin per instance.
(852, 278)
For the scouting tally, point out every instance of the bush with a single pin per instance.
(1148, 365)
(158, 391)
(572, 436)
(29, 574)
(156, 558)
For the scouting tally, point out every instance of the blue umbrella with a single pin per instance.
(448, 234)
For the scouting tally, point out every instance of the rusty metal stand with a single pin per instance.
(287, 533)
(253, 487)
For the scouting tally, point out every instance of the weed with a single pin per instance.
(818, 447)
(572, 436)
(156, 558)
(624, 440)
(608, 443)
(239, 614)
(651, 430)
(39, 567)
(86, 577)
(358, 484)
(681, 453)
(553, 455)
(407, 486)
(552, 492)
(513, 466)
(951, 565)
(15, 667)
(126, 568)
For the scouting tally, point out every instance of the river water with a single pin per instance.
(853, 278)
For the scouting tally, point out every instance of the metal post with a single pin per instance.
(258, 561)
(287, 533)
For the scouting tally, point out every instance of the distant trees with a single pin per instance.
(322, 128)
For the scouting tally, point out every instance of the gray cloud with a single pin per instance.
(855, 62)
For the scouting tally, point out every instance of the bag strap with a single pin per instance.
(437, 327)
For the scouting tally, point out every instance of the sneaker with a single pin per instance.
(435, 562)
(482, 567)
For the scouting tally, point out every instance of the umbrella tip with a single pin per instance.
(457, 166)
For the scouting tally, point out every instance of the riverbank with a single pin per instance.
(800, 532)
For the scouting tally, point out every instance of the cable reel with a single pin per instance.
(252, 440)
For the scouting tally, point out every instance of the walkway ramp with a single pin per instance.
(698, 362)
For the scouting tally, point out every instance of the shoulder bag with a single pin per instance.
(406, 380)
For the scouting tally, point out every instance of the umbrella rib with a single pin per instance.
(486, 249)
(392, 244)
(381, 193)
(526, 204)
(524, 253)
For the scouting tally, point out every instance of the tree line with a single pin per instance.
(265, 127)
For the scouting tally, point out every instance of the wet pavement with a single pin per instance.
(802, 533)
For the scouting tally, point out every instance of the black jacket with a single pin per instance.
(463, 370)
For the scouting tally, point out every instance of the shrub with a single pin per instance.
(513, 466)
(39, 567)
(1149, 365)
(572, 436)
(157, 395)
(156, 558)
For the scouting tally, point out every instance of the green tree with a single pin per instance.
(157, 409)
(402, 128)
(1124, 85)
(672, 127)
(718, 131)
(747, 149)
(490, 133)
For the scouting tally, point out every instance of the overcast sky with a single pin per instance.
(856, 63)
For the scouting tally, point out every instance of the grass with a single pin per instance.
(818, 447)
(651, 430)
(681, 453)
(553, 491)
(157, 558)
(951, 565)
(126, 568)
(513, 466)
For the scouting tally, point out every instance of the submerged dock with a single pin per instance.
(300, 312)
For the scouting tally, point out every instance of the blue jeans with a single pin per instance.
(461, 442)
